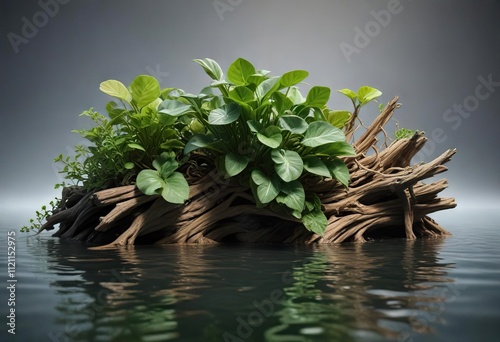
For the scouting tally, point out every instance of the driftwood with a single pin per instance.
(386, 198)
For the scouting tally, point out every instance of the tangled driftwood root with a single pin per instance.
(386, 198)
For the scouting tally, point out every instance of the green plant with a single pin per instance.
(261, 129)
(129, 139)
(41, 216)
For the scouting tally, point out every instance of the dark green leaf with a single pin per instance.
(293, 123)
(315, 221)
(293, 195)
(234, 163)
(136, 146)
(339, 170)
(198, 141)
(270, 136)
(173, 108)
(316, 166)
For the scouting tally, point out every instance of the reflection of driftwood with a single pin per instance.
(386, 197)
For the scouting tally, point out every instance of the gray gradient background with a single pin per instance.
(430, 54)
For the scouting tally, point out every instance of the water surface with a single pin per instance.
(426, 290)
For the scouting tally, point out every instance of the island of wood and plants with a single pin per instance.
(247, 159)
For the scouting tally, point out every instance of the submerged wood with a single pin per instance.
(386, 198)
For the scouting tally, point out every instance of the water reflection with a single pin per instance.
(383, 290)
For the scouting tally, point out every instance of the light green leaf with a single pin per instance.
(367, 94)
(116, 89)
(270, 136)
(256, 79)
(198, 141)
(211, 68)
(336, 149)
(293, 123)
(234, 163)
(349, 93)
(316, 166)
(129, 165)
(176, 189)
(173, 108)
(294, 196)
(338, 118)
(136, 146)
(145, 89)
(339, 170)
(318, 96)
(241, 94)
(239, 71)
(320, 133)
(293, 77)
(149, 182)
(288, 164)
(267, 88)
(404, 133)
(225, 115)
(295, 96)
(168, 168)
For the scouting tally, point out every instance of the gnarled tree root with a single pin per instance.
(386, 198)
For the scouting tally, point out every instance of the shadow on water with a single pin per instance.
(374, 291)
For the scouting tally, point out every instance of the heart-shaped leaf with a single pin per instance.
(235, 163)
(270, 136)
(149, 182)
(316, 166)
(349, 93)
(367, 94)
(239, 71)
(339, 170)
(292, 195)
(224, 115)
(293, 77)
(176, 189)
(288, 164)
(318, 96)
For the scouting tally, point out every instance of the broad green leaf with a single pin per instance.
(116, 89)
(136, 146)
(256, 79)
(295, 96)
(316, 166)
(234, 163)
(339, 170)
(336, 149)
(239, 71)
(149, 182)
(367, 94)
(338, 118)
(349, 93)
(315, 221)
(293, 123)
(173, 108)
(267, 88)
(198, 141)
(293, 77)
(268, 190)
(176, 189)
(258, 177)
(145, 89)
(211, 68)
(318, 96)
(225, 115)
(320, 133)
(294, 195)
(270, 136)
(288, 164)
(241, 94)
